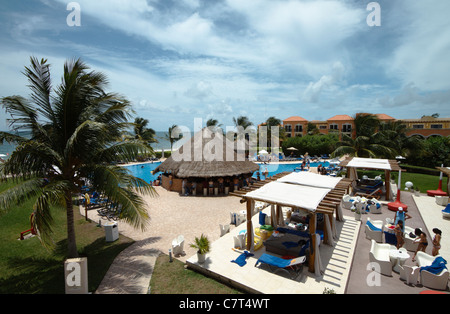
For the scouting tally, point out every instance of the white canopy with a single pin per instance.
(311, 179)
(292, 195)
(370, 163)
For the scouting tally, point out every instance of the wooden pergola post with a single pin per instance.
(387, 184)
(250, 203)
(312, 247)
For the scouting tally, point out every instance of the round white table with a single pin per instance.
(398, 258)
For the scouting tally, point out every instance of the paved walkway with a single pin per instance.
(131, 271)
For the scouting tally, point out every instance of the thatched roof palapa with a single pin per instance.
(207, 154)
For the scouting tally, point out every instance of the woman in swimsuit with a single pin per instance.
(422, 240)
(399, 234)
(436, 242)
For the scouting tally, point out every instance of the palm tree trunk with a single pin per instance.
(71, 241)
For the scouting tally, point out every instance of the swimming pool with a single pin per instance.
(144, 171)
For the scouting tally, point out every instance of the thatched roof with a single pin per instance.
(206, 155)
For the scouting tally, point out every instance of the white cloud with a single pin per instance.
(326, 82)
(424, 49)
(262, 57)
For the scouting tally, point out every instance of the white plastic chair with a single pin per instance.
(224, 229)
(424, 259)
(375, 208)
(410, 245)
(435, 281)
(379, 254)
(430, 280)
(346, 201)
(441, 200)
(239, 240)
(371, 234)
(410, 274)
(178, 245)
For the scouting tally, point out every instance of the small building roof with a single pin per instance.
(341, 117)
(383, 116)
(295, 119)
(207, 154)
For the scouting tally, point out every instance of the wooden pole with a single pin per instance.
(312, 248)
(387, 184)
(249, 223)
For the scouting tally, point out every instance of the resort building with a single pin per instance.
(344, 124)
(428, 126)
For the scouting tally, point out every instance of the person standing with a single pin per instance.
(436, 241)
(422, 240)
(399, 234)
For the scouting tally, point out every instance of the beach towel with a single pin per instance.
(436, 267)
(241, 260)
(262, 218)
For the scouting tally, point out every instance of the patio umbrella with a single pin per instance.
(292, 148)
(263, 152)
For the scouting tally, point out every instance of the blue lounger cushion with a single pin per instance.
(372, 227)
(278, 261)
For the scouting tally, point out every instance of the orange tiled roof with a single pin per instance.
(383, 116)
(294, 119)
(341, 117)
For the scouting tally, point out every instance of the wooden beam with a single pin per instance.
(249, 224)
(312, 233)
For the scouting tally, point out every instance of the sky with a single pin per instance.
(178, 60)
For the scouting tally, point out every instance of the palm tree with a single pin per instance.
(242, 121)
(361, 146)
(141, 132)
(274, 122)
(75, 136)
(366, 124)
(393, 135)
(367, 141)
(170, 136)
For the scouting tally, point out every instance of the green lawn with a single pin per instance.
(422, 181)
(174, 278)
(26, 267)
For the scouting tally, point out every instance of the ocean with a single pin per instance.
(163, 143)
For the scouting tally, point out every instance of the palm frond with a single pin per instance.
(19, 191)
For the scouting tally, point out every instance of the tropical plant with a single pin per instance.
(213, 123)
(201, 244)
(393, 135)
(366, 143)
(76, 132)
(273, 122)
(242, 121)
(142, 132)
(170, 136)
(361, 146)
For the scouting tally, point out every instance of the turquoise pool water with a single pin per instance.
(143, 171)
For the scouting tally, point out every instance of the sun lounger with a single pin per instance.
(292, 267)
(370, 194)
(446, 212)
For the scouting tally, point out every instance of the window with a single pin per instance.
(288, 128)
(417, 126)
(436, 126)
(322, 127)
(347, 128)
(299, 128)
(334, 127)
